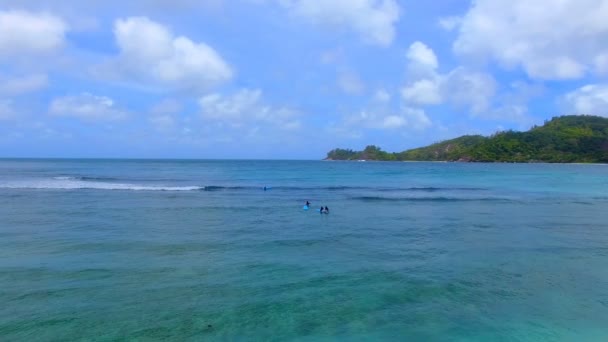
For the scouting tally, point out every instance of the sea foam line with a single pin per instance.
(71, 184)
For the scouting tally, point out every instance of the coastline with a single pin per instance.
(460, 162)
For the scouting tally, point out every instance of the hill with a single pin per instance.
(565, 139)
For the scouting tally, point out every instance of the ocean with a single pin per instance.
(198, 250)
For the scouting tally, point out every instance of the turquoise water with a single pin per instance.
(197, 250)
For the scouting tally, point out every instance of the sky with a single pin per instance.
(289, 79)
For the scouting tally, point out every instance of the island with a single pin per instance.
(564, 139)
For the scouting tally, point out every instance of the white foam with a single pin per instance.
(70, 183)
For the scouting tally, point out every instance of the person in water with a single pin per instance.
(307, 203)
(321, 210)
(326, 210)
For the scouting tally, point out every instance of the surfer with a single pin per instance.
(307, 203)
(326, 210)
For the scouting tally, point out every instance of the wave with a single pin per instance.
(74, 184)
(429, 199)
(433, 189)
(109, 183)
(65, 178)
(85, 178)
(220, 188)
(369, 188)
(108, 179)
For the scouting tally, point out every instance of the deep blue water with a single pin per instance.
(197, 250)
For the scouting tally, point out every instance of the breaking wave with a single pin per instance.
(109, 183)
(429, 199)
(71, 183)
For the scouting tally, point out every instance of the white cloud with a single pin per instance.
(420, 55)
(449, 23)
(549, 39)
(26, 33)
(382, 96)
(217, 106)
(351, 83)
(412, 118)
(590, 99)
(469, 88)
(20, 85)
(151, 55)
(373, 20)
(6, 110)
(416, 118)
(393, 121)
(423, 92)
(421, 61)
(87, 107)
(460, 86)
(245, 107)
(512, 113)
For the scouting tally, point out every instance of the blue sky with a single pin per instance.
(288, 78)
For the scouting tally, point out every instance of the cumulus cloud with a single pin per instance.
(512, 113)
(549, 39)
(26, 33)
(421, 61)
(590, 99)
(423, 92)
(449, 23)
(460, 86)
(150, 54)
(236, 106)
(246, 106)
(12, 86)
(393, 121)
(469, 88)
(382, 96)
(373, 20)
(86, 107)
(407, 117)
(416, 118)
(421, 56)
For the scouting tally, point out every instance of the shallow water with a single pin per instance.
(142, 249)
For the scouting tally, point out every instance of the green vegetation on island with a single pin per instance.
(565, 139)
